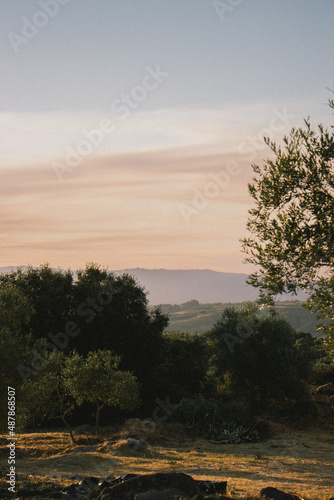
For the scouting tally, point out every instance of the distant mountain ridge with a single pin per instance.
(166, 286)
(179, 286)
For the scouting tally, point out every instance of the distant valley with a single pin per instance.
(194, 317)
(195, 299)
(178, 286)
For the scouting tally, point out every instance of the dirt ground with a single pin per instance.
(298, 461)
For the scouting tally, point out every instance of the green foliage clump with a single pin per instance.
(214, 418)
(67, 381)
(323, 371)
(88, 311)
(96, 379)
(292, 223)
(45, 396)
(16, 344)
(255, 357)
(183, 364)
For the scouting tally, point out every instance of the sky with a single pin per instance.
(129, 127)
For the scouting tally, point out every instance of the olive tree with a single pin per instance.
(45, 396)
(292, 223)
(96, 379)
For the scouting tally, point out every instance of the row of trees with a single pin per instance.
(119, 354)
(42, 310)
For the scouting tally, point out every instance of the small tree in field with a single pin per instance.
(96, 379)
(45, 395)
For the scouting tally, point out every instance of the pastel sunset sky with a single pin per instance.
(128, 127)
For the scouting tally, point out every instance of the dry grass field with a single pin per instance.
(298, 461)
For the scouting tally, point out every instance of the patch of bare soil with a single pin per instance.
(292, 460)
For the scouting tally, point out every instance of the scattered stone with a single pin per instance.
(274, 494)
(212, 487)
(158, 486)
(137, 444)
(35, 494)
(139, 429)
(76, 477)
(162, 495)
(105, 494)
(159, 481)
(81, 496)
(91, 481)
(69, 490)
(127, 477)
(133, 443)
(104, 484)
(116, 481)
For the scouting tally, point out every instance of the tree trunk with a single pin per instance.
(97, 419)
(68, 427)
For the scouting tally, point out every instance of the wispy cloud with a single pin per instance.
(29, 138)
(120, 210)
(125, 204)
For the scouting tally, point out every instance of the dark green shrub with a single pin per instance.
(217, 419)
(255, 357)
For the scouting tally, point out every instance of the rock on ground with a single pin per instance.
(127, 490)
(274, 494)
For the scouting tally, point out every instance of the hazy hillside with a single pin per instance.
(179, 286)
(195, 317)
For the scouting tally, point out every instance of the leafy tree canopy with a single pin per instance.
(88, 310)
(255, 356)
(49, 292)
(292, 224)
(45, 396)
(15, 346)
(96, 379)
(183, 366)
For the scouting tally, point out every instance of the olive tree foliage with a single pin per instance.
(96, 379)
(331, 101)
(45, 396)
(292, 223)
(67, 381)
